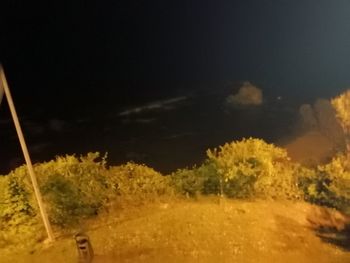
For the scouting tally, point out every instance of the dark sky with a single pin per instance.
(128, 49)
(73, 66)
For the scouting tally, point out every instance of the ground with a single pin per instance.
(203, 230)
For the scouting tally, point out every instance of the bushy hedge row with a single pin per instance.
(250, 168)
(75, 188)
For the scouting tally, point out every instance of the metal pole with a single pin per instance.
(43, 213)
(1, 93)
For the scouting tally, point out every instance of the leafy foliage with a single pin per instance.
(18, 212)
(198, 180)
(253, 168)
(329, 185)
(342, 107)
(73, 188)
(138, 183)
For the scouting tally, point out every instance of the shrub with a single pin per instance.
(330, 184)
(253, 168)
(138, 183)
(18, 212)
(198, 180)
(73, 188)
(67, 203)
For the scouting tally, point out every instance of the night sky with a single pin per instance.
(71, 58)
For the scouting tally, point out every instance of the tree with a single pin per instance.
(341, 105)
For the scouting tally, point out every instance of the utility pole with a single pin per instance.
(5, 87)
(1, 92)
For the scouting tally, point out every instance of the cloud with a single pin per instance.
(327, 121)
(139, 121)
(322, 117)
(57, 125)
(39, 147)
(320, 137)
(308, 118)
(248, 95)
(163, 105)
(34, 128)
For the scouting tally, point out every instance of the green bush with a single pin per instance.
(329, 185)
(138, 183)
(67, 202)
(19, 220)
(73, 188)
(198, 180)
(253, 168)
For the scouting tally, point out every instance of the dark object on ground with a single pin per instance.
(85, 251)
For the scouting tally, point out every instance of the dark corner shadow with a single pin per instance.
(339, 238)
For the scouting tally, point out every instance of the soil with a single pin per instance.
(203, 230)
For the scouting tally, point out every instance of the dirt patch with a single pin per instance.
(204, 231)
